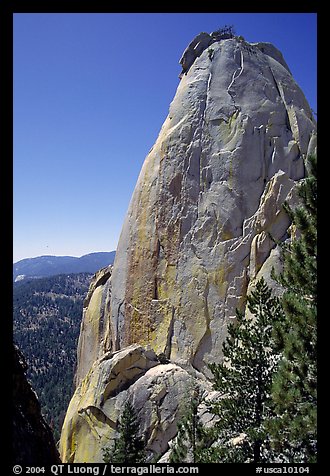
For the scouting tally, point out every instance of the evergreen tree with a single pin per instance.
(191, 434)
(128, 447)
(244, 379)
(294, 390)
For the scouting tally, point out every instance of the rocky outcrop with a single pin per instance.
(33, 442)
(203, 224)
(94, 325)
(193, 50)
(207, 207)
(132, 374)
(199, 44)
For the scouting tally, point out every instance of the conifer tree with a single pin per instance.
(129, 446)
(191, 433)
(244, 379)
(294, 391)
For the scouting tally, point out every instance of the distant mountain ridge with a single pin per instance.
(43, 266)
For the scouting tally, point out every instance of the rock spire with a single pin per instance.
(202, 225)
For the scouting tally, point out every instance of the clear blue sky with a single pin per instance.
(91, 92)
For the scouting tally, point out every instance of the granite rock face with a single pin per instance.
(203, 224)
(94, 325)
(207, 206)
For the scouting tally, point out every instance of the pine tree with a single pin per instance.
(294, 390)
(191, 433)
(244, 379)
(128, 447)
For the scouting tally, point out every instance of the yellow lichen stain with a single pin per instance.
(79, 441)
(159, 336)
(218, 277)
(137, 325)
(142, 273)
(163, 308)
(84, 385)
(232, 119)
(224, 132)
(228, 130)
(166, 283)
(69, 438)
(226, 235)
(73, 445)
(87, 447)
(193, 310)
(93, 317)
(197, 324)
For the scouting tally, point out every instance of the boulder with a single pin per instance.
(157, 392)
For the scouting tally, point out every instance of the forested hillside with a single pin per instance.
(46, 318)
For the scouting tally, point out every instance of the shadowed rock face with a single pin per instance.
(202, 226)
(33, 442)
(208, 195)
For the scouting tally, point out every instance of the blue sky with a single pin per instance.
(91, 92)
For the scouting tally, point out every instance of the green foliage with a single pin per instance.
(162, 358)
(129, 446)
(226, 31)
(210, 53)
(294, 391)
(244, 380)
(47, 314)
(191, 437)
